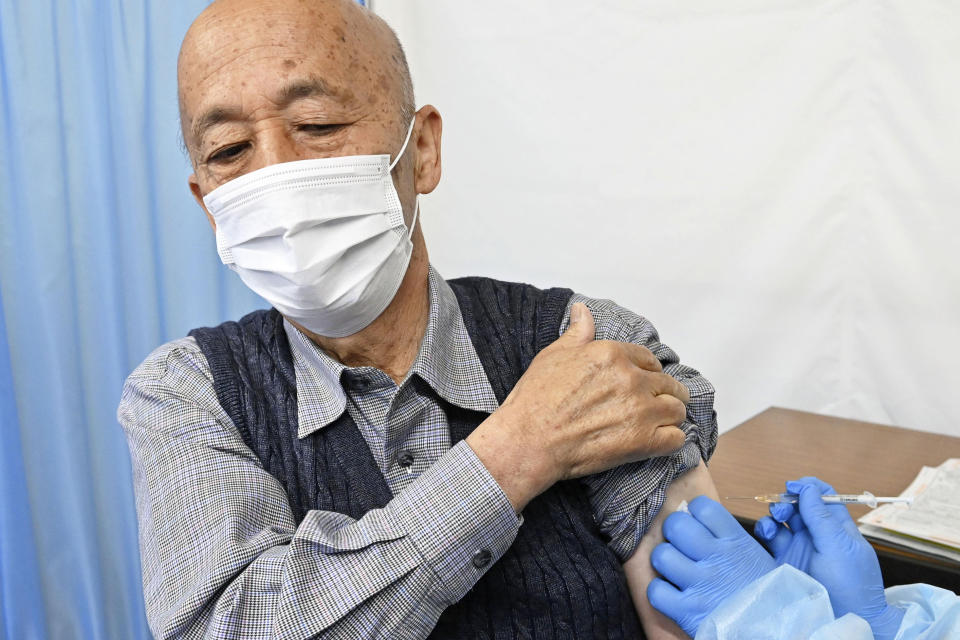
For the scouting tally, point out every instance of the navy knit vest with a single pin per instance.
(558, 579)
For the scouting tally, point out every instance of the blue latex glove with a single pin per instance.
(707, 558)
(823, 541)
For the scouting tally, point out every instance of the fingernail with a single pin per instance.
(576, 313)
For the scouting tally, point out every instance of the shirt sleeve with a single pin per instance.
(626, 499)
(223, 558)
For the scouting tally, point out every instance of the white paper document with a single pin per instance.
(932, 522)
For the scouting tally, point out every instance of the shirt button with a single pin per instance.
(481, 558)
(405, 459)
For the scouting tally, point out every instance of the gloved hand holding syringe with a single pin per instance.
(866, 498)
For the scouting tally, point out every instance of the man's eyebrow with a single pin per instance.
(296, 90)
(307, 88)
(213, 116)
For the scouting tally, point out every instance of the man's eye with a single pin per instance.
(319, 129)
(227, 153)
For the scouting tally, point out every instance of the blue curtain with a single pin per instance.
(103, 256)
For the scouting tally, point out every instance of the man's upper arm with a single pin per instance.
(626, 499)
(640, 572)
(630, 502)
(200, 492)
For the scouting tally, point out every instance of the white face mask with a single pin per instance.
(321, 240)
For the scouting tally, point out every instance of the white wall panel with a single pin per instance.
(775, 184)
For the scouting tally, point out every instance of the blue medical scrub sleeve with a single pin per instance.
(787, 603)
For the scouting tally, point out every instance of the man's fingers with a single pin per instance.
(665, 440)
(661, 384)
(684, 393)
(641, 357)
(670, 409)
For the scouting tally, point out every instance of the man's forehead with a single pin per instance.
(213, 43)
(282, 73)
(238, 46)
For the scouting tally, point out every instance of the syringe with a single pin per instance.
(866, 498)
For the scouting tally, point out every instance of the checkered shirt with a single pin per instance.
(222, 556)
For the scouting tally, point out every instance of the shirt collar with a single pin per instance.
(320, 398)
(447, 361)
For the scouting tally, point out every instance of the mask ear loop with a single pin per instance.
(404, 146)
(416, 212)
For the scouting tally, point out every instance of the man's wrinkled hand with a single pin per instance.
(583, 406)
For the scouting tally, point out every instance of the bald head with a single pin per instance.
(241, 57)
(264, 82)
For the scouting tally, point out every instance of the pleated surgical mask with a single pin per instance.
(322, 240)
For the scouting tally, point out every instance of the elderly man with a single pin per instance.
(385, 453)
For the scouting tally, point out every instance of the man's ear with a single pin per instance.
(427, 169)
(198, 196)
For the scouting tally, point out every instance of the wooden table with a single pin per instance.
(781, 444)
